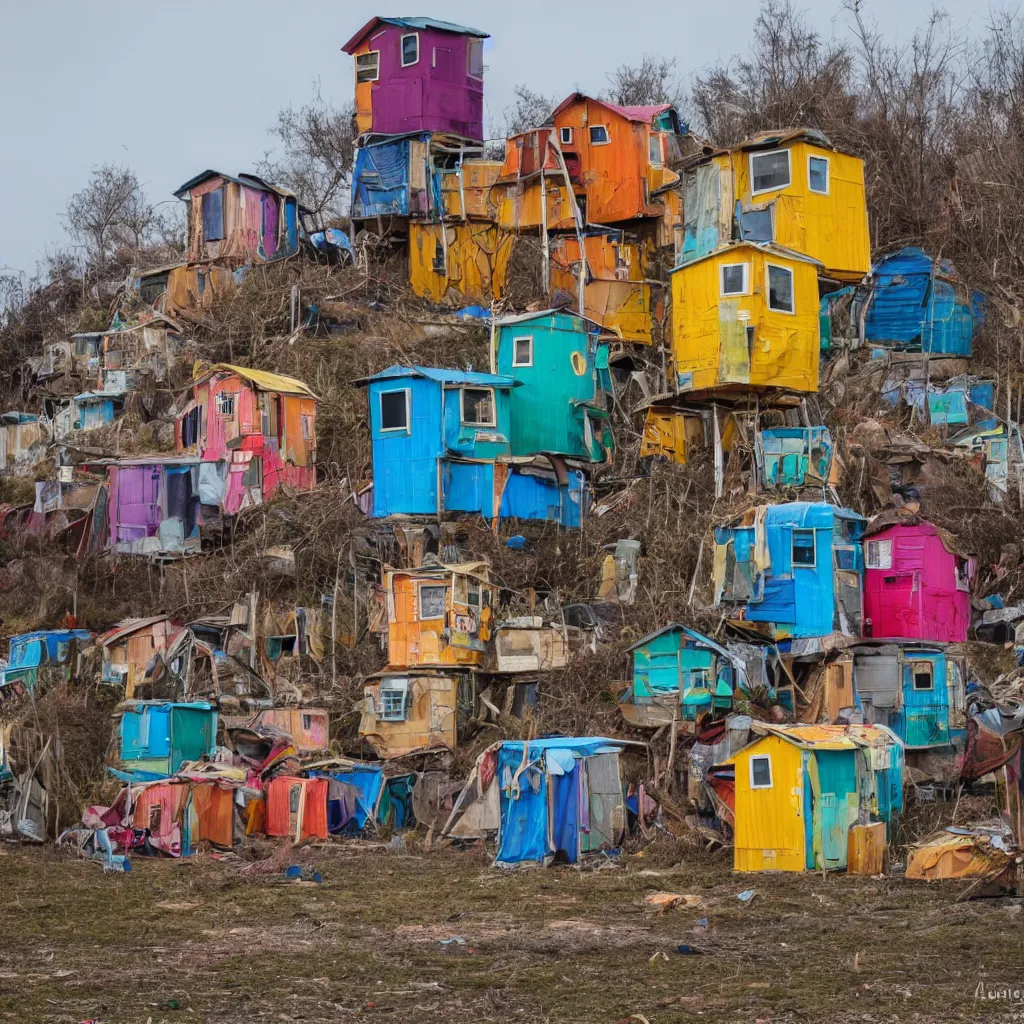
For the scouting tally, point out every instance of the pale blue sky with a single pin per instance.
(170, 89)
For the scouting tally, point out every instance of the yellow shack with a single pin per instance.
(459, 263)
(803, 791)
(746, 315)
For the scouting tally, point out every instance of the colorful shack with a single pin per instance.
(746, 315)
(254, 432)
(804, 792)
(916, 689)
(793, 570)
(28, 653)
(549, 800)
(561, 360)
(794, 457)
(917, 303)
(129, 647)
(22, 442)
(917, 585)
(418, 75)
(679, 675)
(157, 738)
(793, 190)
(239, 219)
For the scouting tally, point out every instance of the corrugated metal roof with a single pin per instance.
(642, 114)
(442, 376)
(826, 737)
(414, 23)
(126, 627)
(768, 248)
(263, 379)
(249, 180)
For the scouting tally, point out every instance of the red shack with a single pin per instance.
(916, 583)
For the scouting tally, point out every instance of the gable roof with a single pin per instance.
(825, 737)
(641, 114)
(442, 376)
(263, 380)
(126, 627)
(413, 23)
(768, 248)
(249, 180)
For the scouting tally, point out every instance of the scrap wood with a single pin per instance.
(662, 901)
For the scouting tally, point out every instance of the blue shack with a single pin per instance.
(792, 570)
(679, 674)
(96, 409)
(920, 304)
(562, 362)
(545, 487)
(158, 737)
(30, 652)
(436, 435)
(794, 456)
(916, 689)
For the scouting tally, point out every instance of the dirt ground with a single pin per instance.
(201, 941)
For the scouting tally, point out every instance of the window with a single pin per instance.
(368, 66)
(922, 675)
(394, 410)
(410, 49)
(478, 407)
(769, 171)
(817, 174)
(281, 647)
(475, 53)
(761, 772)
(599, 135)
(565, 136)
(393, 697)
(654, 150)
(522, 351)
(294, 798)
(579, 363)
(307, 427)
(803, 548)
(700, 679)
(879, 554)
(432, 600)
(735, 279)
(213, 215)
(780, 289)
(226, 403)
(269, 414)
(307, 722)
(440, 264)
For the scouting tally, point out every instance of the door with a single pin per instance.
(735, 337)
(138, 502)
(924, 719)
(837, 779)
(606, 817)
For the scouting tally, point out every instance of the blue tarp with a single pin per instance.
(368, 782)
(380, 180)
(51, 649)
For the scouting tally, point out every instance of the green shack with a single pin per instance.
(562, 361)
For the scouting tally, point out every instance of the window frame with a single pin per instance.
(813, 564)
(401, 49)
(376, 68)
(578, 363)
(770, 152)
(659, 138)
(722, 267)
(607, 135)
(516, 362)
(767, 758)
(385, 714)
(562, 140)
(428, 585)
(828, 174)
(877, 546)
(407, 429)
(929, 668)
(475, 45)
(768, 267)
(462, 408)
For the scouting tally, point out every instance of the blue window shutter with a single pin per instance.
(213, 215)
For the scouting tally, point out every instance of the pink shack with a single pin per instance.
(254, 433)
(418, 75)
(916, 583)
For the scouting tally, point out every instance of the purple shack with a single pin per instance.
(418, 75)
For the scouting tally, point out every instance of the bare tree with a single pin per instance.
(530, 110)
(652, 81)
(317, 149)
(111, 210)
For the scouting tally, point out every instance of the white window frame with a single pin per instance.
(394, 686)
(721, 279)
(515, 350)
(376, 73)
(407, 429)
(918, 663)
(565, 135)
(474, 44)
(462, 407)
(774, 188)
(607, 135)
(401, 49)
(828, 174)
(768, 288)
(876, 556)
(814, 547)
(424, 585)
(659, 138)
(771, 777)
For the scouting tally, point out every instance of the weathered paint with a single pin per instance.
(916, 585)
(309, 728)
(559, 496)
(160, 737)
(129, 647)
(616, 294)
(145, 494)
(466, 191)
(437, 92)
(428, 716)
(239, 219)
(459, 264)
(562, 404)
(920, 304)
(988, 447)
(257, 428)
(390, 177)
(794, 456)
(671, 433)
(819, 594)
(21, 442)
(518, 189)
(737, 339)
(830, 227)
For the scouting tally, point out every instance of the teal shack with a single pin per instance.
(794, 457)
(562, 362)
(679, 674)
(158, 737)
